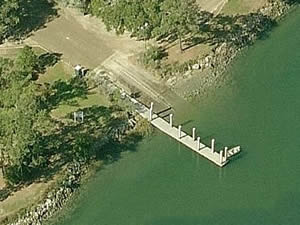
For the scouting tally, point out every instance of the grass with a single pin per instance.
(200, 50)
(12, 52)
(61, 71)
(33, 193)
(58, 71)
(92, 99)
(234, 7)
(21, 199)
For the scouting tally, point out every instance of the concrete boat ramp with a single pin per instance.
(194, 143)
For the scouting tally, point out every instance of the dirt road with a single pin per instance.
(214, 6)
(82, 39)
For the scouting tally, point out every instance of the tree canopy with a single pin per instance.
(150, 19)
(9, 17)
(21, 119)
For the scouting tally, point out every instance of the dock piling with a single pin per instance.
(226, 148)
(194, 133)
(150, 114)
(221, 156)
(179, 131)
(213, 145)
(198, 143)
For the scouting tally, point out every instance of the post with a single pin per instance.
(226, 148)
(82, 117)
(151, 105)
(198, 143)
(171, 120)
(74, 116)
(194, 133)
(213, 145)
(150, 114)
(179, 131)
(221, 156)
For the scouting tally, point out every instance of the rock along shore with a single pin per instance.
(56, 198)
(212, 67)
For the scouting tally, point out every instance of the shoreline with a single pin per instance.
(74, 174)
(66, 189)
(206, 73)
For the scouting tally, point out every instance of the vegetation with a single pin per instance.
(38, 134)
(164, 19)
(22, 121)
(152, 57)
(20, 17)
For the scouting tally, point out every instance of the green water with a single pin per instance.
(163, 183)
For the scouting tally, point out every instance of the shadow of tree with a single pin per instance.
(103, 135)
(64, 92)
(34, 15)
(48, 59)
(240, 30)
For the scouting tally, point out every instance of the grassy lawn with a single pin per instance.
(58, 71)
(61, 71)
(12, 52)
(31, 194)
(233, 7)
(93, 98)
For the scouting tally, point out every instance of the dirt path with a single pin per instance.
(214, 6)
(82, 39)
(134, 79)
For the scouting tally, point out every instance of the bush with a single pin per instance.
(152, 57)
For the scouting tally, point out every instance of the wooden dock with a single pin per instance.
(219, 158)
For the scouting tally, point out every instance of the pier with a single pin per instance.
(220, 158)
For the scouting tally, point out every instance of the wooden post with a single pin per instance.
(150, 114)
(221, 156)
(74, 116)
(82, 116)
(213, 145)
(171, 120)
(198, 143)
(179, 131)
(194, 133)
(226, 148)
(151, 106)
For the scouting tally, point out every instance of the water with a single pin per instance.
(163, 183)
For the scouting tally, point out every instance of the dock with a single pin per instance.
(194, 143)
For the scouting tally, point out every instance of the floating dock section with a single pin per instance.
(194, 143)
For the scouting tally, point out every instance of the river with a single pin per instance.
(164, 183)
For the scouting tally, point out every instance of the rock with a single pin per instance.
(196, 67)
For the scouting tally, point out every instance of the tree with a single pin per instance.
(131, 15)
(22, 122)
(9, 17)
(26, 62)
(179, 18)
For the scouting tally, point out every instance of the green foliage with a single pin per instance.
(9, 17)
(30, 138)
(131, 15)
(171, 19)
(20, 17)
(26, 62)
(152, 57)
(179, 18)
(22, 124)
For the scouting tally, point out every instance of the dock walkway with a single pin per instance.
(219, 158)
